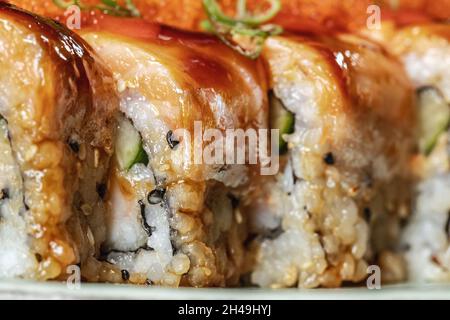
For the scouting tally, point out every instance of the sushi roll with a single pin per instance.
(57, 118)
(169, 221)
(344, 108)
(425, 52)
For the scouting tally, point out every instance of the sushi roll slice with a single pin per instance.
(425, 52)
(344, 110)
(57, 118)
(169, 221)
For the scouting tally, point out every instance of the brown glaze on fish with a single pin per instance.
(364, 84)
(204, 59)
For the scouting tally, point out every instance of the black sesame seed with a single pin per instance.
(447, 225)
(149, 230)
(403, 222)
(101, 190)
(250, 239)
(38, 257)
(405, 247)
(4, 194)
(329, 159)
(125, 275)
(367, 214)
(274, 233)
(156, 196)
(174, 249)
(234, 200)
(171, 141)
(74, 145)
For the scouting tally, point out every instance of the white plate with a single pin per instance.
(18, 289)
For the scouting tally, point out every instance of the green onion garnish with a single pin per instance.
(110, 7)
(246, 33)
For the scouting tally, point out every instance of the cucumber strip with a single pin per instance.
(434, 117)
(281, 119)
(129, 146)
(141, 157)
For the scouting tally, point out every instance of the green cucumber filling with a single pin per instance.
(129, 146)
(281, 119)
(434, 117)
